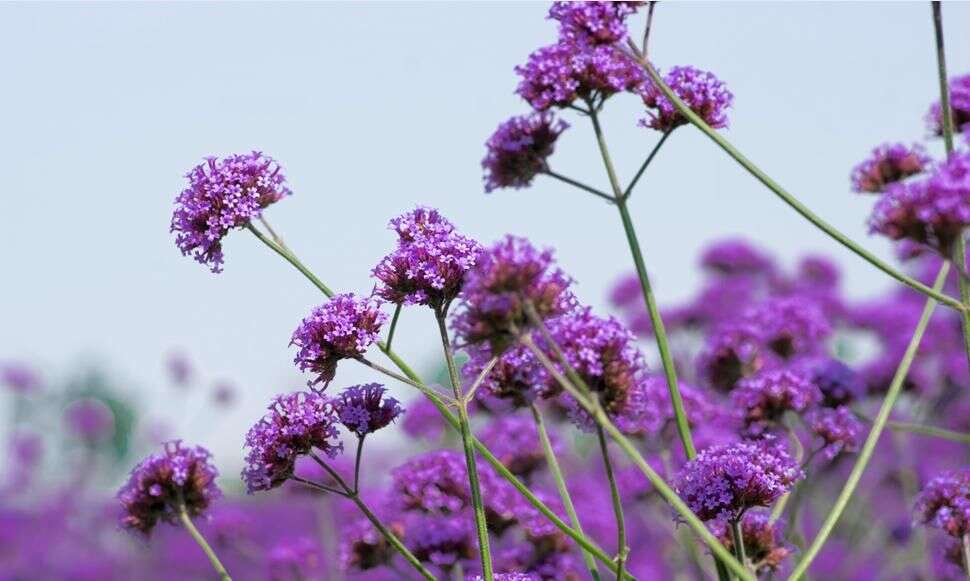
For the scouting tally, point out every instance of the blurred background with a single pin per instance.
(372, 108)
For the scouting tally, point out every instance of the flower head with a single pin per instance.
(90, 419)
(224, 194)
(724, 481)
(764, 540)
(429, 265)
(959, 106)
(593, 22)
(789, 326)
(887, 164)
(519, 148)
(299, 558)
(507, 276)
(732, 351)
(364, 409)
(434, 482)
(838, 382)
(363, 547)
(516, 377)
(736, 257)
(441, 541)
(162, 484)
(19, 377)
(514, 440)
(839, 430)
(704, 94)
(558, 74)
(296, 424)
(944, 503)
(342, 328)
(765, 397)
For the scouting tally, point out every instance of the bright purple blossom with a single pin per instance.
(517, 377)
(421, 222)
(296, 424)
(342, 328)
(732, 351)
(423, 420)
(514, 440)
(162, 484)
(297, 558)
(959, 107)
(441, 541)
(19, 377)
(839, 430)
(763, 398)
(701, 91)
(736, 257)
(434, 482)
(838, 382)
(887, 164)
(90, 419)
(593, 22)
(364, 409)
(764, 541)
(789, 326)
(224, 194)
(519, 148)
(558, 74)
(724, 481)
(944, 503)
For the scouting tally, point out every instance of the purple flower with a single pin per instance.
(887, 164)
(298, 558)
(838, 383)
(513, 577)
(789, 326)
(423, 420)
(701, 91)
(519, 148)
(224, 194)
(363, 547)
(429, 265)
(593, 22)
(839, 430)
(659, 411)
(363, 409)
(224, 393)
(442, 541)
(932, 211)
(90, 420)
(179, 368)
(959, 107)
(507, 276)
(296, 424)
(558, 74)
(517, 377)
(433, 482)
(19, 377)
(342, 328)
(724, 481)
(163, 483)
(944, 503)
(732, 351)
(765, 397)
(736, 257)
(764, 541)
(514, 440)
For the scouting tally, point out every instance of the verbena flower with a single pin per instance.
(423, 420)
(724, 481)
(839, 430)
(433, 482)
(364, 409)
(559, 74)
(517, 377)
(296, 424)
(887, 164)
(789, 326)
(944, 503)
(514, 440)
(224, 194)
(299, 558)
(518, 150)
(959, 106)
(764, 541)
(764, 398)
(593, 22)
(163, 483)
(90, 419)
(363, 547)
(932, 211)
(442, 541)
(342, 328)
(732, 351)
(659, 410)
(507, 276)
(19, 377)
(422, 222)
(701, 91)
(838, 382)
(736, 257)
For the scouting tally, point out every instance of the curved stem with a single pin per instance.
(391, 537)
(200, 540)
(288, 255)
(357, 456)
(567, 500)
(481, 527)
(663, 345)
(789, 199)
(317, 486)
(621, 547)
(426, 390)
(646, 162)
(579, 185)
(895, 387)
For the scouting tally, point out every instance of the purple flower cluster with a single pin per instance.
(19, 378)
(944, 503)
(763, 398)
(296, 424)
(90, 419)
(764, 541)
(443, 542)
(888, 164)
(342, 328)
(722, 482)
(428, 267)
(959, 106)
(517, 378)
(514, 440)
(736, 257)
(701, 91)
(162, 485)
(364, 409)
(519, 148)
(224, 194)
(839, 430)
(593, 22)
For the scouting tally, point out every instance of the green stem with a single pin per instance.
(895, 387)
(929, 431)
(646, 162)
(634, 455)
(391, 537)
(357, 457)
(621, 547)
(564, 495)
(580, 185)
(737, 539)
(779, 508)
(966, 553)
(292, 259)
(200, 540)
(790, 199)
(481, 526)
(390, 332)
(670, 372)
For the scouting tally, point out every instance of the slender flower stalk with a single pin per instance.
(390, 332)
(878, 424)
(481, 527)
(965, 541)
(288, 255)
(646, 163)
(390, 536)
(737, 539)
(931, 431)
(621, 547)
(203, 544)
(663, 345)
(580, 185)
(563, 490)
(789, 199)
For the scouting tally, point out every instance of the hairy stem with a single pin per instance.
(203, 544)
(895, 387)
(621, 547)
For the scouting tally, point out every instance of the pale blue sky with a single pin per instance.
(373, 108)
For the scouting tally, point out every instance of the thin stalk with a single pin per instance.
(317, 486)
(646, 162)
(895, 387)
(426, 390)
(941, 433)
(390, 332)
(481, 527)
(200, 540)
(288, 255)
(779, 508)
(634, 455)
(966, 553)
(663, 345)
(646, 29)
(391, 537)
(789, 199)
(737, 539)
(621, 548)
(578, 184)
(478, 380)
(357, 456)
(567, 500)
(333, 473)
